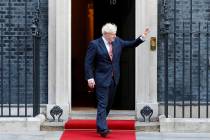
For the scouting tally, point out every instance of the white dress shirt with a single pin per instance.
(106, 44)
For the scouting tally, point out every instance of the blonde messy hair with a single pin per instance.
(109, 28)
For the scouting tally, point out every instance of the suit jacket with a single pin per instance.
(98, 64)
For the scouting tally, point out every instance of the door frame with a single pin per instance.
(59, 58)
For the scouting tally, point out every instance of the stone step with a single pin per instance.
(90, 113)
(140, 126)
(147, 126)
(52, 126)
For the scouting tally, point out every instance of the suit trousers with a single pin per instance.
(105, 97)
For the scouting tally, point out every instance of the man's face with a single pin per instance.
(110, 37)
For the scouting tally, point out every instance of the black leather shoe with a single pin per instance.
(104, 133)
(109, 131)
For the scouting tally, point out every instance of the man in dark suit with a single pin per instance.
(102, 69)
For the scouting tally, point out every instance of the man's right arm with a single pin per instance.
(89, 64)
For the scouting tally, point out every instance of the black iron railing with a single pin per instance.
(186, 66)
(19, 68)
(36, 62)
(192, 100)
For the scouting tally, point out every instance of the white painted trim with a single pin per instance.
(51, 51)
(60, 56)
(145, 59)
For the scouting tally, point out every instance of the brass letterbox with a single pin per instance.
(153, 43)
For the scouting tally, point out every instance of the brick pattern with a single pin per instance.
(200, 13)
(16, 53)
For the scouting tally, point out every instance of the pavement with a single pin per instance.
(55, 135)
(172, 136)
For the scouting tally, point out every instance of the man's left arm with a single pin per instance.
(137, 41)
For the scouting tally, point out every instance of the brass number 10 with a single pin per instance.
(113, 2)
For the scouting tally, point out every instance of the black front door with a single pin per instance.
(88, 16)
(122, 13)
